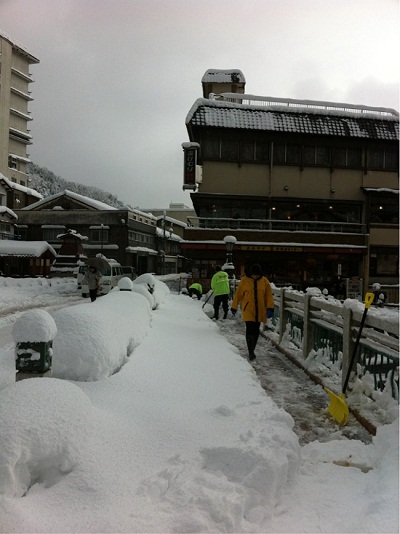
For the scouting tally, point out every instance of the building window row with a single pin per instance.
(140, 237)
(284, 210)
(260, 151)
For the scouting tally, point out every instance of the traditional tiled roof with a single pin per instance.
(304, 120)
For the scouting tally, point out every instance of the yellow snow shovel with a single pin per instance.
(338, 407)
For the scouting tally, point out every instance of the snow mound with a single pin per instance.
(46, 443)
(34, 326)
(157, 288)
(86, 346)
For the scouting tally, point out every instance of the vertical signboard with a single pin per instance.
(189, 165)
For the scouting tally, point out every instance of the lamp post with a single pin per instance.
(102, 229)
(229, 241)
(165, 239)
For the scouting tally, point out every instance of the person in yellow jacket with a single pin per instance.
(254, 295)
(195, 289)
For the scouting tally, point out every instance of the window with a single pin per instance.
(338, 156)
(279, 153)
(391, 160)
(293, 154)
(12, 162)
(210, 148)
(384, 209)
(384, 261)
(247, 151)
(50, 234)
(99, 235)
(229, 150)
(322, 156)
(375, 158)
(316, 155)
(353, 158)
(308, 155)
(262, 151)
(5, 227)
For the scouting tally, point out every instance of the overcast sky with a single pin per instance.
(117, 78)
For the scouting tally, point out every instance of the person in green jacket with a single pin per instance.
(220, 287)
(195, 289)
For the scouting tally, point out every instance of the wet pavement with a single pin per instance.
(293, 390)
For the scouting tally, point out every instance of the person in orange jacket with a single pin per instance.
(254, 295)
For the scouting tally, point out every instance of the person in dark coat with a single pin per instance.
(92, 279)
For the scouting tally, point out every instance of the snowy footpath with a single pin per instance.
(182, 438)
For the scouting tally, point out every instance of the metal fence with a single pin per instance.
(313, 323)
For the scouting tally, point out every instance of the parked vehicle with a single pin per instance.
(110, 275)
(129, 271)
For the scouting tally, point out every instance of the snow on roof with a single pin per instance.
(169, 235)
(316, 121)
(223, 76)
(85, 200)
(21, 188)
(22, 49)
(72, 233)
(142, 249)
(25, 248)
(4, 209)
(381, 190)
(172, 220)
(311, 105)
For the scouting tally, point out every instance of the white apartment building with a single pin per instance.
(15, 96)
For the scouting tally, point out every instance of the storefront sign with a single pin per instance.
(287, 249)
(255, 247)
(189, 165)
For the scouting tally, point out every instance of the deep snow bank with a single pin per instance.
(40, 441)
(95, 339)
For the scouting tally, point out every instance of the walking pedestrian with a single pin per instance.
(254, 295)
(195, 289)
(220, 287)
(92, 279)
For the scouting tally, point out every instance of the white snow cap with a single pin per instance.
(34, 326)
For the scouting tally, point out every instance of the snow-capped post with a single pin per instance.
(33, 335)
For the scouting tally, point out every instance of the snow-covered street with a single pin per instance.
(293, 390)
(185, 437)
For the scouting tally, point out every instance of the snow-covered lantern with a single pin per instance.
(125, 284)
(229, 241)
(33, 335)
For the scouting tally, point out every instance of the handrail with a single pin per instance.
(317, 324)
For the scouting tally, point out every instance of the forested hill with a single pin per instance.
(47, 183)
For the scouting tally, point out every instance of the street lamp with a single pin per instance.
(165, 239)
(229, 268)
(229, 241)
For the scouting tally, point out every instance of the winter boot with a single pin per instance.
(250, 346)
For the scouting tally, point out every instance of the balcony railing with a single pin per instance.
(277, 225)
